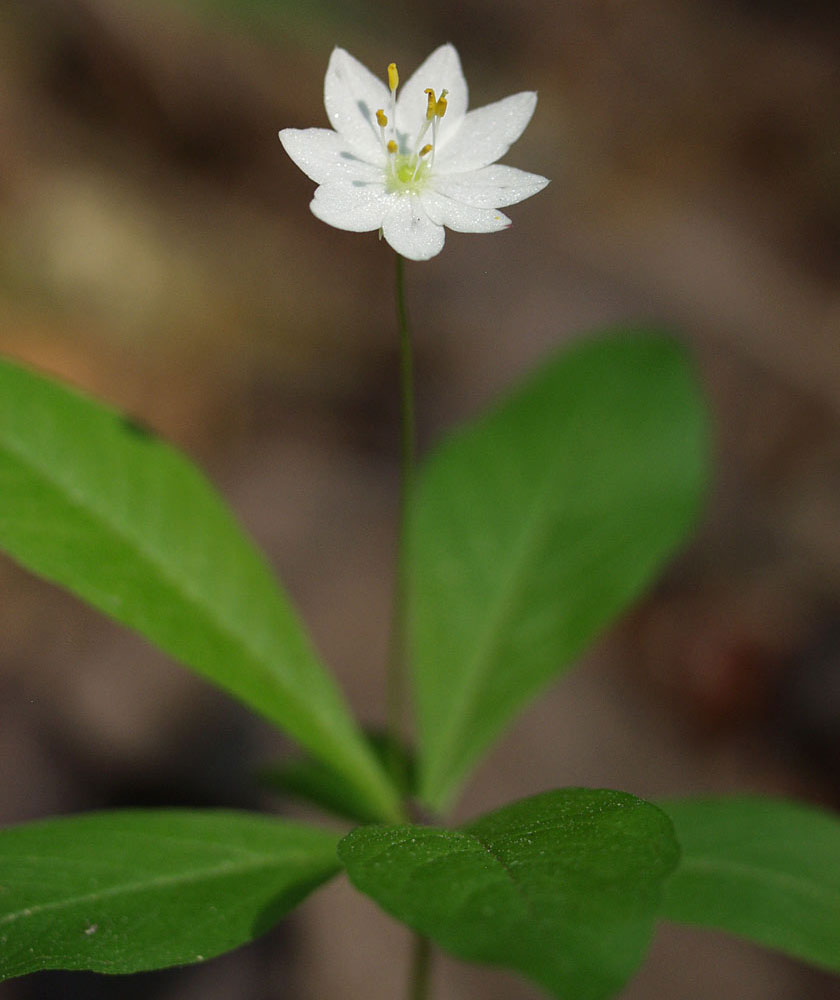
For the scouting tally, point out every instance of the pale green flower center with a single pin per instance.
(406, 173)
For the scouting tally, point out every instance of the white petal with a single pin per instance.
(324, 156)
(491, 187)
(461, 217)
(486, 134)
(358, 208)
(410, 231)
(441, 71)
(352, 96)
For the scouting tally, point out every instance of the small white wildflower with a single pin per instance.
(411, 164)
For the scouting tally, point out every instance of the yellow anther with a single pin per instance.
(426, 149)
(431, 107)
(381, 118)
(440, 105)
(393, 77)
(392, 146)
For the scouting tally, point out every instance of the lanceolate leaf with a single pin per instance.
(92, 502)
(535, 526)
(763, 869)
(562, 887)
(127, 891)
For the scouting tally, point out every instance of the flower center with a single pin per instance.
(407, 170)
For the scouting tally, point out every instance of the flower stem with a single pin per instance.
(421, 962)
(398, 652)
(407, 389)
(418, 978)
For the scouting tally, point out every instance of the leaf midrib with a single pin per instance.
(763, 875)
(534, 528)
(212, 617)
(520, 891)
(253, 863)
(74, 497)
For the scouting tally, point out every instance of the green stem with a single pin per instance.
(396, 681)
(398, 652)
(406, 390)
(421, 963)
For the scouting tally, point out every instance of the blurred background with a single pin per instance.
(157, 249)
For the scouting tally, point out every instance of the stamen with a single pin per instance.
(418, 159)
(393, 83)
(440, 111)
(382, 121)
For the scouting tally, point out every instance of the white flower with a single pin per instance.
(411, 164)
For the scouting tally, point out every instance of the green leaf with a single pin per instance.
(535, 526)
(562, 887)
(763, 869)
(129, 891)
(93, 502)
